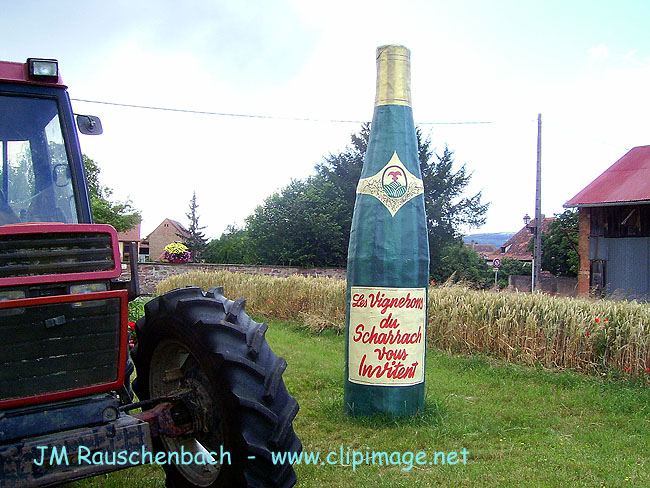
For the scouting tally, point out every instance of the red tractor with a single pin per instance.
(212, 406)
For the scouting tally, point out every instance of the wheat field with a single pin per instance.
(588, 335)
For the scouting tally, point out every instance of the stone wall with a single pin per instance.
(553, 285)
(584, 230)
(150, 274)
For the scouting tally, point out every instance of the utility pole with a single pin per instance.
(537, 253)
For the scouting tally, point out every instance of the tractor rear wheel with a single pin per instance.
(239, 408)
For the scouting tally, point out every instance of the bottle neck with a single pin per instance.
(393, 76)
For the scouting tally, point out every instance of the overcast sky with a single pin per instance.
(584, 65)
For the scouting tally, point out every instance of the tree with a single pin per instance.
(232, 247)
(307, 223)
(299, 225)
(343, 171)
(559, 243)
(446, 208)
(462, 263)
(510, 266)
(195, 239)
(120, 215)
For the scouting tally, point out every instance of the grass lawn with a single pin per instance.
(521, 426)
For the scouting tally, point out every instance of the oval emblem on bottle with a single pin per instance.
(394, 181)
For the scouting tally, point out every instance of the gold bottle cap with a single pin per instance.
(393, 75)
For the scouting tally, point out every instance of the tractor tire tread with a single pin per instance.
(274, 379)
(257, 336)
(255, 403)
(284, 428)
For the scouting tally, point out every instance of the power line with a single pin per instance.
(257, 116)
(219, 114)
(466, 122)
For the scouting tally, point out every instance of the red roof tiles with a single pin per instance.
(517, 246)
(130, 235)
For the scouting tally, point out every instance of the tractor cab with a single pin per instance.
(63, 314)
(41, 173)
(207, 381)
(36, 175)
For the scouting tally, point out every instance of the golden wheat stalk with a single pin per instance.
(581, 334)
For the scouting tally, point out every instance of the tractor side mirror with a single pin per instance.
(89, 125)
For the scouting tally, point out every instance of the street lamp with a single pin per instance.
(536, 230)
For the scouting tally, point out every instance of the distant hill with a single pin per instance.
(495, 239)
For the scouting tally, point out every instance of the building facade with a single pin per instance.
(168, 231)
(614, 229)
(519, 246)
(124, 238)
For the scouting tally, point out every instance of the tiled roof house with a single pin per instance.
(124, 238)
(517, 246)
(483, 250)
(168, 231)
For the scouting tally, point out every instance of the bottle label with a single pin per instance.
(393, 185)
(386, 336)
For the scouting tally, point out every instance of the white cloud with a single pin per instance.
(599, 52)
(629, 56)
(316, 60)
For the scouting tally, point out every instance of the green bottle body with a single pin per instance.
(387, 274)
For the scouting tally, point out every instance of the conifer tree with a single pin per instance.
(195, 239)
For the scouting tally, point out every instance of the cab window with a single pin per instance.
(35, 175)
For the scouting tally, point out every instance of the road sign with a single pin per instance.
(496, 263)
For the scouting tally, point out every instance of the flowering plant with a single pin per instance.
(176, 253)
(132, 337)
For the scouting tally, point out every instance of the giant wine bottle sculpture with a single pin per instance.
(388, 257)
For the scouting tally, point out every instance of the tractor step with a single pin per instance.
(75, 454)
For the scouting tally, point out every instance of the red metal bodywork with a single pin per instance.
(18, 73)
(50, 228)
(161, 421)
(62, 395)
